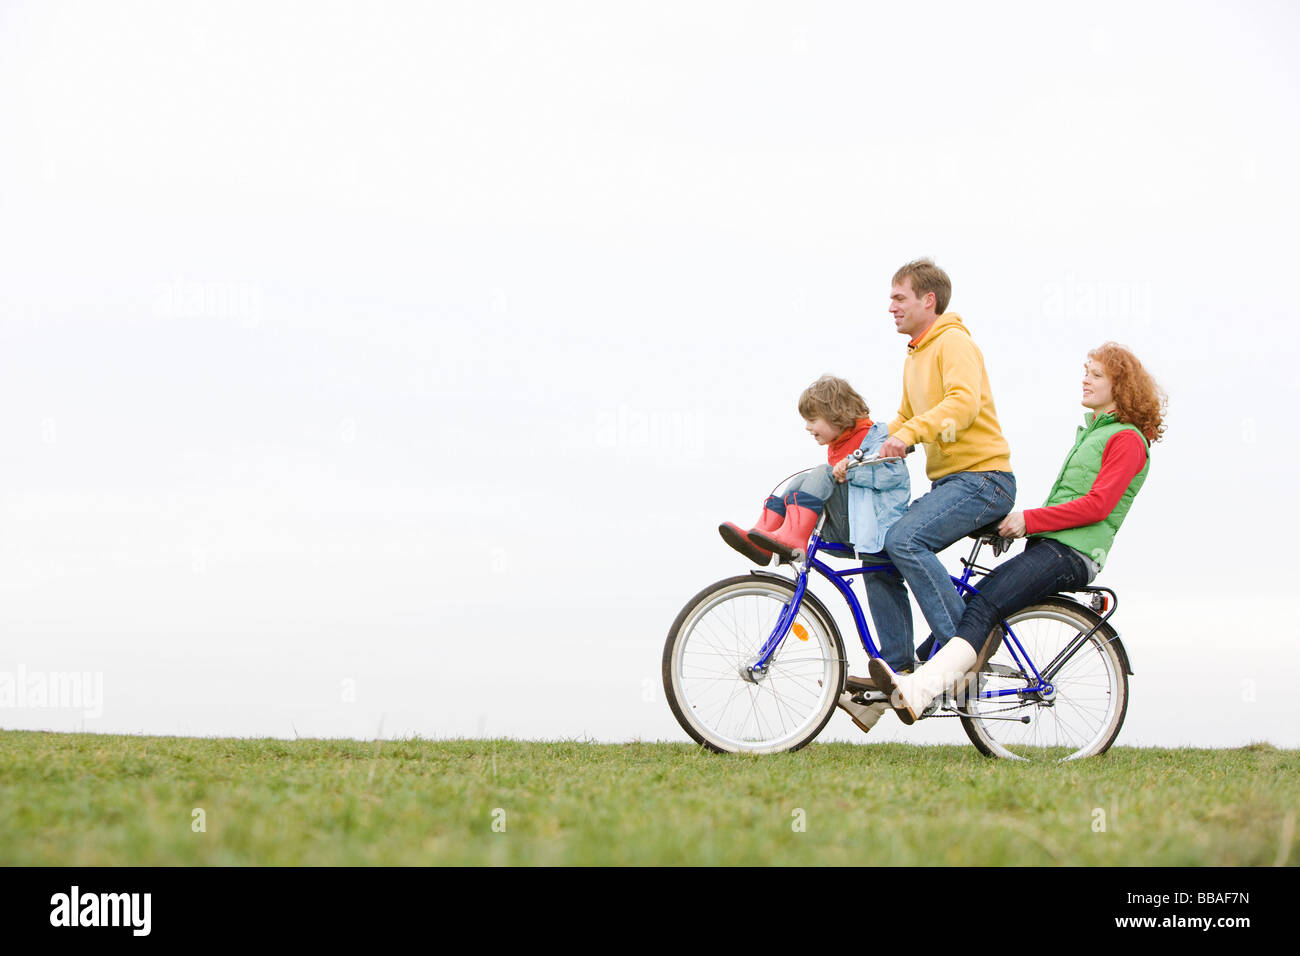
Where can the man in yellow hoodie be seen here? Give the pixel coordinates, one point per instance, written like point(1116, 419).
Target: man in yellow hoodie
point(948, 406)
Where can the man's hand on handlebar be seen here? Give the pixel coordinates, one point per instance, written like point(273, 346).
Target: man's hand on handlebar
point(859, 457)
point(893, 448)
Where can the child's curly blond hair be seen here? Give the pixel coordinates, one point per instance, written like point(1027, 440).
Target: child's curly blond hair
point(834, 400)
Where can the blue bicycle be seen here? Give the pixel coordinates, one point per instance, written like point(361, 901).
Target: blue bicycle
point(755, 664)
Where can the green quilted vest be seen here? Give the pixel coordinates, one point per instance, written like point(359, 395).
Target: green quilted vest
point(1081, 468)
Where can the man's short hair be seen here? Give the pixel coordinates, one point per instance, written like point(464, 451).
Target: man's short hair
point(927, 277)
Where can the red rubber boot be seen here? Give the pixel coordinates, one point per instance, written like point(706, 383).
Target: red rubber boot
point(801, 513)
point(771, 518)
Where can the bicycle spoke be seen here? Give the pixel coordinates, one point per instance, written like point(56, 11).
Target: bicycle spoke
point(779, 707)
point(1082, 713)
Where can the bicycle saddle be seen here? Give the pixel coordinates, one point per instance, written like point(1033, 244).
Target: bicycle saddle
point(990, 530)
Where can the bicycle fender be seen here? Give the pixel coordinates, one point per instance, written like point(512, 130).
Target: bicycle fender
point(1123, 654)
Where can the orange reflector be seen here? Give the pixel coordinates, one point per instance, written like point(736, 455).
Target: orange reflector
point(800, 631)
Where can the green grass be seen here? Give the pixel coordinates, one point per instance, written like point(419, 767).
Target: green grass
point(95, 800)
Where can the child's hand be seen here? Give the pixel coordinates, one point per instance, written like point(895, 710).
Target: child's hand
point(841, 469)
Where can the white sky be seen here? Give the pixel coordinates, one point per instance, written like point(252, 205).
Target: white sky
point(385, 369)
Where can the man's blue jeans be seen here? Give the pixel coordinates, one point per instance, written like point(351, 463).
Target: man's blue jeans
point(954, 507)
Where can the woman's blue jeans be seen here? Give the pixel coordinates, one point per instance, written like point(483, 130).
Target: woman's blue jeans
point(1043, 568)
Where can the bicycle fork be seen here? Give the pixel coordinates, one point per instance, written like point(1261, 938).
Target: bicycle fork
point(756, 671)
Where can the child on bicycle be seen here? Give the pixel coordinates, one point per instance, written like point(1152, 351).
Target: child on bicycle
point(860, 504)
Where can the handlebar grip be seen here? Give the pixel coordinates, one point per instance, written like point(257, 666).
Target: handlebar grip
point(858, 455)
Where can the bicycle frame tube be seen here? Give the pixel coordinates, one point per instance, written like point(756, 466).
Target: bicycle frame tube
point(1039, 683)
point(1044, 679)
point(840, 580)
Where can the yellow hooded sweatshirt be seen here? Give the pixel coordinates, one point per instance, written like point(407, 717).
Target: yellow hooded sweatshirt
point(948, 405)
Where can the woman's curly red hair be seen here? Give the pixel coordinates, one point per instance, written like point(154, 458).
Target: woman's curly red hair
point(1138, 399)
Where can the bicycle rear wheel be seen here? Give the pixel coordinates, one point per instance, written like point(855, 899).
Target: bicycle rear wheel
point(707, 656)
point(1081, 715)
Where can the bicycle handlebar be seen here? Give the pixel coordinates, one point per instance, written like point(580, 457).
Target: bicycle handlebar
point(859, 459)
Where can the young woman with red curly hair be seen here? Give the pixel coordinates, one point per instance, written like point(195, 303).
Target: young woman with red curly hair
point(1069, 537)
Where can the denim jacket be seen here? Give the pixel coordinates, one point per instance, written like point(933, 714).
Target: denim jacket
point(878, 495)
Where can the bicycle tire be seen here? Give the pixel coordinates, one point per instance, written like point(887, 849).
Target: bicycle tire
point(1085, 713)
point(719, 633)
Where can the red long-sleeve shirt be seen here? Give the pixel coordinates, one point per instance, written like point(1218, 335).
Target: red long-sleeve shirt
point(1122, 458)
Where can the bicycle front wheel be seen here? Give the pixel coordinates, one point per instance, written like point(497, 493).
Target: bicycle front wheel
point(1081, 714)
point(713, 693)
